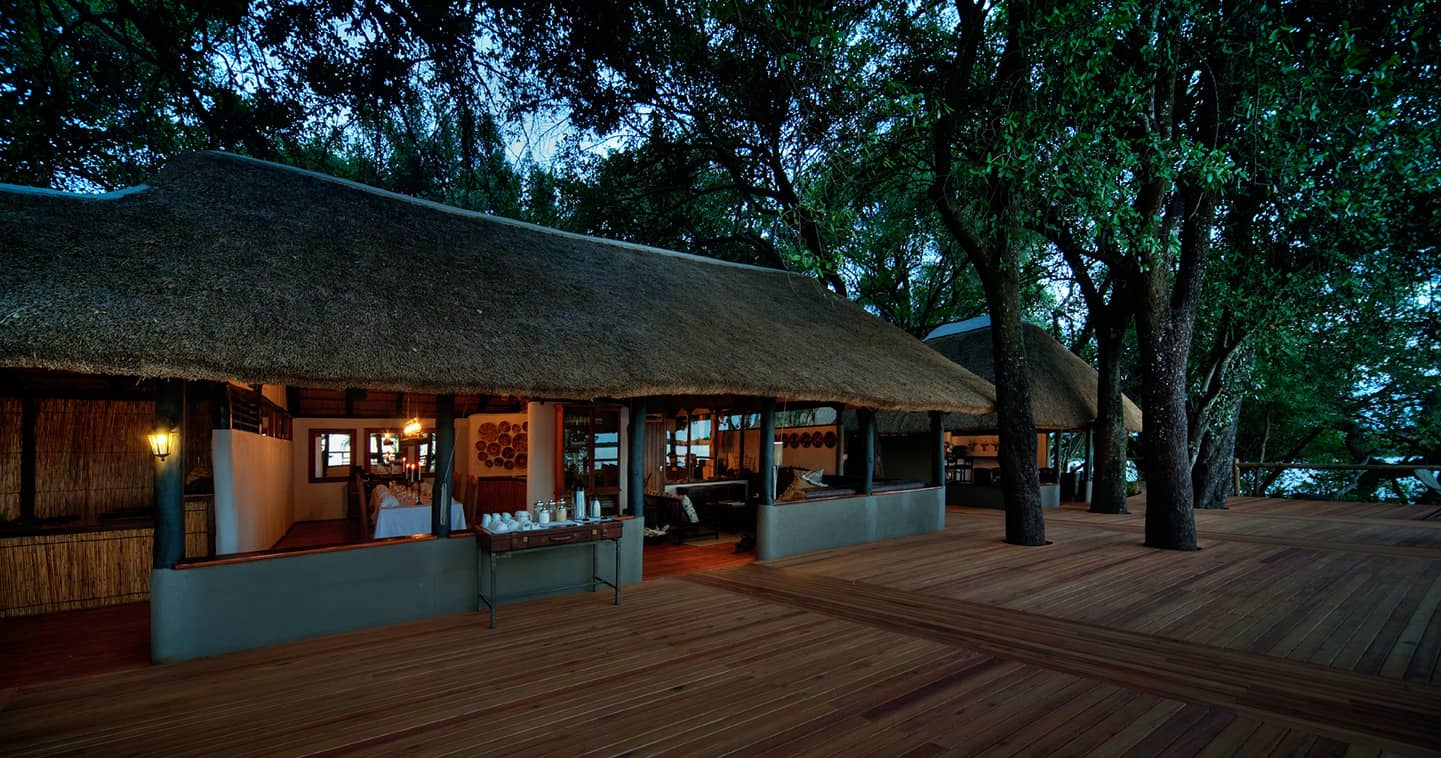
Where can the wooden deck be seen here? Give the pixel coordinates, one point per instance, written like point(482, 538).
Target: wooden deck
point(1297, 629)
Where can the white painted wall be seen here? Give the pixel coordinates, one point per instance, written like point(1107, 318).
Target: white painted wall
point(809, 458)
point(540, 479)
point(253, 490)
point(275, 393)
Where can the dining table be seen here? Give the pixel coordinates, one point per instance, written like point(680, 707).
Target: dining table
point(402, 512)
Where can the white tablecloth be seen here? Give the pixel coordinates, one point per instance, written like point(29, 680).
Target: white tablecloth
point(401, 521)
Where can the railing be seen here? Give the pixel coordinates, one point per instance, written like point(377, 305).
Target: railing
point(1426, 473)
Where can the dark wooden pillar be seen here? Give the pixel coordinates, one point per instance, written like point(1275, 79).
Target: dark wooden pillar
point(170, 477)
point(744, 417)
point(768, 451)
point(444, 465)
point(1056, 454)
point(868, 450)
point(635, 459)
point(938, 449)
point(29, 418)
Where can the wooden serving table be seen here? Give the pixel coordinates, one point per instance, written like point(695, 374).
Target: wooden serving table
point(496, 545)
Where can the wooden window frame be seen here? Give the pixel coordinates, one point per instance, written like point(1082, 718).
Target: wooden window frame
point(592, 409)
point(414, 442)
point(311, 453)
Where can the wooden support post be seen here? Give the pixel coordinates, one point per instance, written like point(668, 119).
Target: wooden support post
point(635, 459)
point(29, 416)
point(938, 450)
point(768, 451)
point(170, 477)
point(444, 465)
point(868, 450)
point(221, 393)
point(745, 415)
point(1056, 454)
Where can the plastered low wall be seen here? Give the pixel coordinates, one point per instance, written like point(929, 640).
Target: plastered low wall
point(224, 607)
point(806, 526)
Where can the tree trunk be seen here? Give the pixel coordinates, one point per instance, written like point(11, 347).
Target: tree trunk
point(1211, 476)
point(1020, 481)
point(1170, 522)
point(1165, 319)
point(1108, 493)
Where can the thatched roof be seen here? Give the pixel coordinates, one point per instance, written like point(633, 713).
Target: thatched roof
point(229, 268)
point(1063, 387)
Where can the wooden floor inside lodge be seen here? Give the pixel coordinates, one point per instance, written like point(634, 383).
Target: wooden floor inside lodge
point(1299, 628)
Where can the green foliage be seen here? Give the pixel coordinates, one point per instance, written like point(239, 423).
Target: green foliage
point(95, 95)
point(1327, 249)
point(755, 100)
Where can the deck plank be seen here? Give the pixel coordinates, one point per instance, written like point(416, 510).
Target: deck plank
point(1301, 628)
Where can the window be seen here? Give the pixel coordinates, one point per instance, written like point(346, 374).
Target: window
point(589, 442)
point(388, 451)
point(689, 455)
point(331, 454)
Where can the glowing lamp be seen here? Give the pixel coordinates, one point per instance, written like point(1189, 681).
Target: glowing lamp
point(412, 427)
point(161, 441)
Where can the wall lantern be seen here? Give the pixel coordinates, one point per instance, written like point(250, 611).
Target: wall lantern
point(161, 440)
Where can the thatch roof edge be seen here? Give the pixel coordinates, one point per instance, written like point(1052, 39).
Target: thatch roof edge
point(304, 285)
point(466, 213)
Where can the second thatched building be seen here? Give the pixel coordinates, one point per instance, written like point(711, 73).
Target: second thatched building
point(1063, 406)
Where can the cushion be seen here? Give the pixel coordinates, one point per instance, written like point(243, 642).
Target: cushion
point(802, 483)
point(689, 509)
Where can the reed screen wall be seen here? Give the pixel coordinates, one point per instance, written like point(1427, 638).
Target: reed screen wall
point(46, 573)
point(92, 458)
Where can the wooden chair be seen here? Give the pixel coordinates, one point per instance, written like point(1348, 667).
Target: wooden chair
point(663, 509)
point(470, 502)
point(360, 500)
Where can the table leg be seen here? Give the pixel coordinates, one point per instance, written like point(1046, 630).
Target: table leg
point(493, 598)
point(617, 570)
